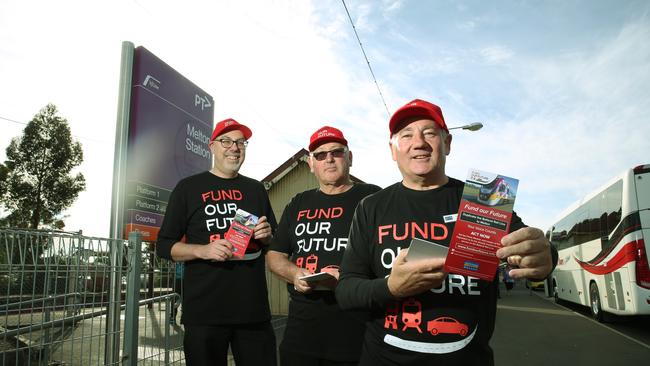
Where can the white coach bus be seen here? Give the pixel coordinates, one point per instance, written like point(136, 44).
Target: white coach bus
point(603, 243)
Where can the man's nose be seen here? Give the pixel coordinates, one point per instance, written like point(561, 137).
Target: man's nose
point(418, 139)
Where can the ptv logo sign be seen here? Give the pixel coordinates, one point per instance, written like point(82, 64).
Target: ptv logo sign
point(151, 82)
point(204, 102)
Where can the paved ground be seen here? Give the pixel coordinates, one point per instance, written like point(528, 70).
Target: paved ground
point(532, 330)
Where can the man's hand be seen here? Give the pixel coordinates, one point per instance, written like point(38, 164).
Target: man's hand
point(301, 285)
point(412, 278)
point(528, 249)
point(333, 270)
point(262, 231)
point(219, 250)
point(332, 282)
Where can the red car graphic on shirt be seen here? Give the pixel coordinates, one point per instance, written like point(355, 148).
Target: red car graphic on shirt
point(412, 314)
point(445, 324)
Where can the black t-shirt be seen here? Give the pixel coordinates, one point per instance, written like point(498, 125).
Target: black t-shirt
point(450, 325)
point(313, 231)
point(201, 208)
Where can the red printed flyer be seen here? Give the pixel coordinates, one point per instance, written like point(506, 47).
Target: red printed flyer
point(483, 219)
point(240, 232)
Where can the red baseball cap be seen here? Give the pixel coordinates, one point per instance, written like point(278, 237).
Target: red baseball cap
point(228, 125)
point(416, 108)
point(326, 134)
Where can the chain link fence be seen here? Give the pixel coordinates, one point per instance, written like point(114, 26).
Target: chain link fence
point(69, 299)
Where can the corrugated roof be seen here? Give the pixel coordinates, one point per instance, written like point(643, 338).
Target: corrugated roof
point(289, 165)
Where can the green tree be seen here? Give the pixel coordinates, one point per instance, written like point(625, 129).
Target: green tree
point(38, 184)
point(3, 178)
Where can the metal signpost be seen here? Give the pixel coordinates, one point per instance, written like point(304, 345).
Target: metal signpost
point(164, 125)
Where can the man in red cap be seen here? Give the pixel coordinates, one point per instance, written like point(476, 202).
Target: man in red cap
point(225, 298)
point(422, 315)
point(311, 237)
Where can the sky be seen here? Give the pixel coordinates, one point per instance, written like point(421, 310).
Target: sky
point(560, 86)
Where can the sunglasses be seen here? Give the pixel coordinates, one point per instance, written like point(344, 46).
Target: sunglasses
point(336, 153)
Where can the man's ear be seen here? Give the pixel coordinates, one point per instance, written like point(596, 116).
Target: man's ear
point(310, 163)
point(448, 144)
point(393, 149)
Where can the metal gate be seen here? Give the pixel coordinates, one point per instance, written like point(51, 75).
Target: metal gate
point(68, 299)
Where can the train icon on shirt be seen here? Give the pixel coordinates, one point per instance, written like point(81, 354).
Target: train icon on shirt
point(411, 317)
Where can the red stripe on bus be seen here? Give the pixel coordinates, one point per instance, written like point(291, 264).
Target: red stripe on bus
point(624, 256)
point(626, 231)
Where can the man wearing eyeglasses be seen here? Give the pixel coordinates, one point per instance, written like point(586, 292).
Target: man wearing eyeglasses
point(420, 314)
point(225, 298)
point(311, 238)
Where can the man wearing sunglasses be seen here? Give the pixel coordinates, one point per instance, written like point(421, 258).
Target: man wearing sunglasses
point(311, 238)
point(225, 298)
point(420, 314)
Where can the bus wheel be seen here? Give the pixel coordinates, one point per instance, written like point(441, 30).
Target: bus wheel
point(594, 296)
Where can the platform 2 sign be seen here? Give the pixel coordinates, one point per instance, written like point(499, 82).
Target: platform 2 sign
point(169, 130)
point(484, 218)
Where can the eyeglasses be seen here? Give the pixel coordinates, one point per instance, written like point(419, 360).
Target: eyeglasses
point(336, 153)
point(227, 143)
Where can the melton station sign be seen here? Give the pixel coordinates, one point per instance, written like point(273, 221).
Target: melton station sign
point(170, 123)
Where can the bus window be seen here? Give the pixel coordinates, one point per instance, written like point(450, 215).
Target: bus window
point(603, 255)
point(613, 205)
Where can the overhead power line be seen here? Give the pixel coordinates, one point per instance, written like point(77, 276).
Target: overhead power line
point(11, 120)
point(366, 57)
point(75, 136)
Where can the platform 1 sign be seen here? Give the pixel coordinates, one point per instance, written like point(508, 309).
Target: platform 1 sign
point(169, 129)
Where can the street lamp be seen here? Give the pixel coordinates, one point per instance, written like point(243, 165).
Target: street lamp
point(475, 126)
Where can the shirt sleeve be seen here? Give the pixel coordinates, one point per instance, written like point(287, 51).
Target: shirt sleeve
point(517, 224)
point(359, 287)
point(174, 224)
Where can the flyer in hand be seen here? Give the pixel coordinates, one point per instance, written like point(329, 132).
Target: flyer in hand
point(422, 249)
point(317, 277)
point(240, 232)
point(483, 219)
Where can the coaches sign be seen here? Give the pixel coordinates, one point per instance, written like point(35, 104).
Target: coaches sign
point(169, 129)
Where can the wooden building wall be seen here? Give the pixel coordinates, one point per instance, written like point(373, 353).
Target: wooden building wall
point(299, 179)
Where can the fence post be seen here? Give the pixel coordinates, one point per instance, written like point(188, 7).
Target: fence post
point(169, 304)
point(130, 349)
point(112, 341)
point(150, 272)
point(74, 284)
point(47, 340)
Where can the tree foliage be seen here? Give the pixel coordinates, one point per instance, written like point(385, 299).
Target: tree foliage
point(37, 184)
point(3, 178)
